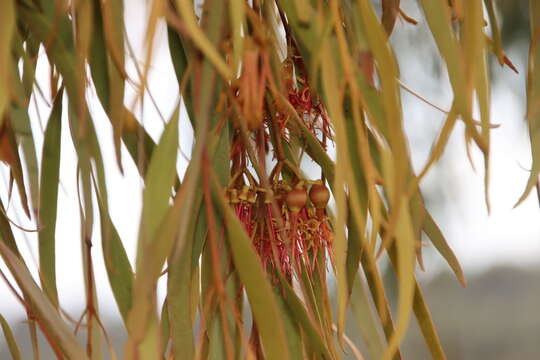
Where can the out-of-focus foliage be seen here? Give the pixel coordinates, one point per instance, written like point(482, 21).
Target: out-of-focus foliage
point(265, 83)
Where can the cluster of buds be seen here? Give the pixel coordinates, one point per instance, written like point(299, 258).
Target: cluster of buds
point(287, 220)
point(288, 225)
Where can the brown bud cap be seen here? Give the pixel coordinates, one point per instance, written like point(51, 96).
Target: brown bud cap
point(252, 197)
point(296, 199)
point(233, 196)
point(243, 193)
point(319, 195)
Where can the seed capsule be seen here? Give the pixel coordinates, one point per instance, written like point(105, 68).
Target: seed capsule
point(296, 199)
point(319, 195)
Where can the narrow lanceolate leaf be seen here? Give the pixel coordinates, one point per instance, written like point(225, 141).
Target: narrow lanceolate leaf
point(390, 13)
point(155, 239)
point(159, 180)
point(138, 142)
point(495, 30)
point(113, 29)
point(343, 175)
point(201, 41)
point(427, 326)
point(9, 153)
point(438, 17)
point(7, 27)
point(13, 347)
point(59, 48)
point(179, 292)
point(98, 59)
point(533, 98)
point(59, 333)
point(117, 263)
point(109, 84)
point(50, 168)
point(178, 58)
point(437, 238)
point(6, 234)
point(265, 309)
point(23, 131)
point(475, 51)
point(405, 273)
point(237, 21)
point(311, 332)
point(366, 321)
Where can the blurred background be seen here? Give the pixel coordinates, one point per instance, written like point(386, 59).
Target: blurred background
point(495, 317)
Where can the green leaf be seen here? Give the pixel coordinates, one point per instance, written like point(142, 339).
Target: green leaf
point(533, 94)
point(156, 235)
point(437, 238)
point(10, 339)
point(10, 146)
point(438, 17)
point(117, 263)
point(159, 181)
point(50, 168)
point(405, 246)
point(179, 292)
point(42, 308)
point(334, 99)
point(390, 13)
point(7, 27)
point(369, 327)
point(98, 60)
point(495, 30)
point(113, 29)
point(138, 142)
point(23, 130)
point(427, 327)
point(378, 295)
point(180, 64)
point(309, 328)
point(201, 40)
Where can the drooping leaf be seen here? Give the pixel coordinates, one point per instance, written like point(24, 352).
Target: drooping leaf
point(440, 243)
point(49, 181)
point(306, 323)
point(390, 13)
point(365, 320)
point(201, 41)
point(23, 131)
point(155, 224)
point(13, 347)
point(117, 264)
point(7, 27)
point(44, 311)
point(405, 272)
point(159, 180)
point(533, 94)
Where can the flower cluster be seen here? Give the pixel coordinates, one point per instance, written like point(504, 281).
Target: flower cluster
point(311, 112)
point(288, 225)
point(284, 214)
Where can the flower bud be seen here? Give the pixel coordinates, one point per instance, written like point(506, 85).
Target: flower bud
point(319, 195)
point(296, 199)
